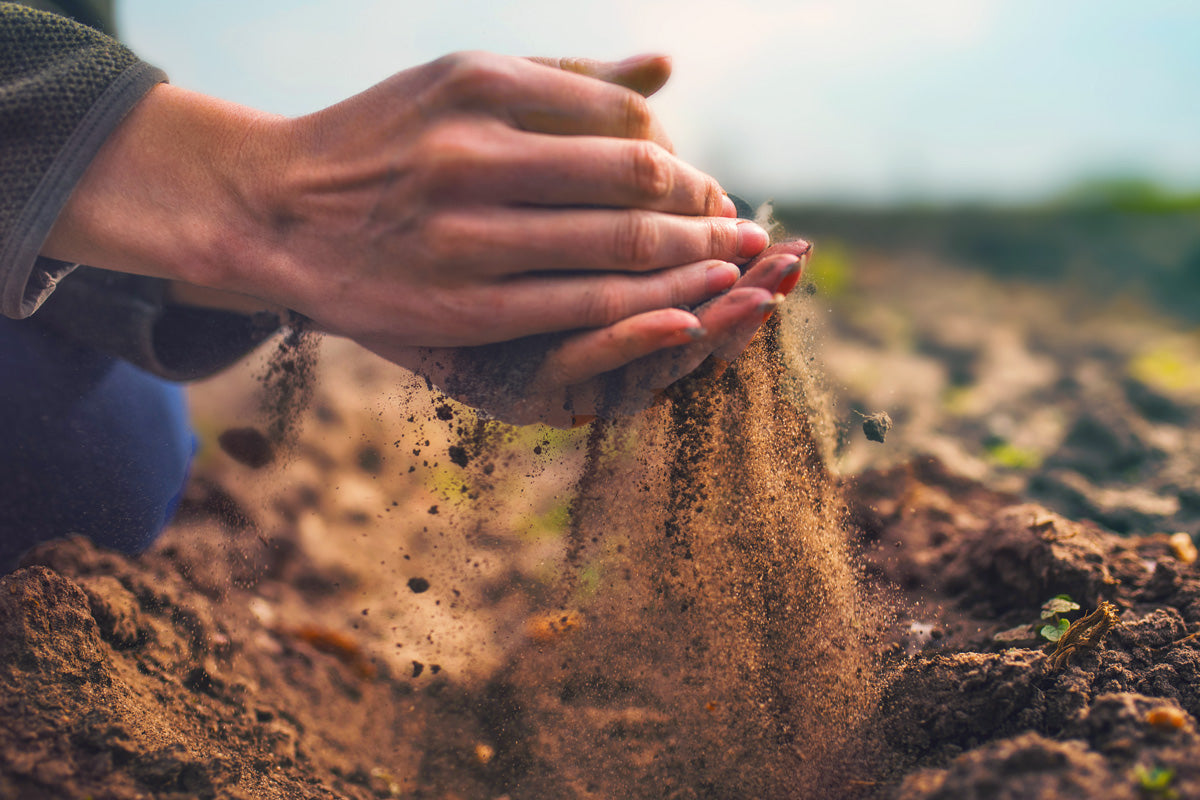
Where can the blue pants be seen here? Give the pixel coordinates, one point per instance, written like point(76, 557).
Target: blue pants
point(89, 444)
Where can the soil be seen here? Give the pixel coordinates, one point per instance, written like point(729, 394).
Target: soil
point(735, 595)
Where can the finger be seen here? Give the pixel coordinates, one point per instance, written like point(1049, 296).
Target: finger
point(512, 241)
point(740, 332)
point(635, 388)
point(722, 318)
point(644, 74)
point(543, 304)
point(545, 170)
point(795, 247)
point(535, 97)
point(772, 273)
point(585, 355)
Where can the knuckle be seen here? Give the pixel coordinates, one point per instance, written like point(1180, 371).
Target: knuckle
point(446, 154)
point(714, 198)
point(722, 238)
point(651, 169)
point(568, 64)
point(636, 113)
point(473, 78)
point(636, 241)
point(678, 287)
point(440, 237)
point(605, 305)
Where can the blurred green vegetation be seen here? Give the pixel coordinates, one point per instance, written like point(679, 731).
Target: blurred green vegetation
point(1112, 237)
point(830, 268)
point(1169, 367)
point(1003, 453)
point(1131, 194)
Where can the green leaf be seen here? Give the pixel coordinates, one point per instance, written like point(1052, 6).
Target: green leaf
point(1156, 779)
point(1051, 632)
point(1058, 605)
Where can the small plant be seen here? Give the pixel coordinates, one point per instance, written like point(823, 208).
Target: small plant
point(1055, 624)
point(1155, 782)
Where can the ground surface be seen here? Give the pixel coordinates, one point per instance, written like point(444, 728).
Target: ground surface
point(368, 617)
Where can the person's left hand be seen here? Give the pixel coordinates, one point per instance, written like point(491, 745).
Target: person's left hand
point(566, 380)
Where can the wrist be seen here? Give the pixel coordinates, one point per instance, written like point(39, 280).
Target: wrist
point(176, 192)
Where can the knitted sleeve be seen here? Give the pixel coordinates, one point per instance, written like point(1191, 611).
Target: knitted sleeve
point(64, 87)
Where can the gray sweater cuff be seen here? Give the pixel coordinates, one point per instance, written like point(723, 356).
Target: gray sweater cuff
point(28, 278)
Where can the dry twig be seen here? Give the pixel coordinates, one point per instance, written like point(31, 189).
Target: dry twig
point(1085, 634)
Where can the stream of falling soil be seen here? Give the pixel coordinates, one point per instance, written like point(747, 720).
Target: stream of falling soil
point(727, 603)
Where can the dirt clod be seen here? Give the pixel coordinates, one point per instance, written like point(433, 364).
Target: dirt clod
point(876, 426)
point(248, 446)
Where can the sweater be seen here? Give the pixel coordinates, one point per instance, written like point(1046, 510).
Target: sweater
point(65, 86)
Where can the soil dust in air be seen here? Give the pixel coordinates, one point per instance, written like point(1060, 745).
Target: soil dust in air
point(727, 650)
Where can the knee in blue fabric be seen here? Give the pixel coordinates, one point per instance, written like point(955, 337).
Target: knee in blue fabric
point(92, 445)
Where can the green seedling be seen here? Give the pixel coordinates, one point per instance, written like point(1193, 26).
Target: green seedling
point(1053, 611)
point(1156, 782)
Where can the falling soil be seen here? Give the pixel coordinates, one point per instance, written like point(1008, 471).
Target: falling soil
point(730, 606)
point(288, 382)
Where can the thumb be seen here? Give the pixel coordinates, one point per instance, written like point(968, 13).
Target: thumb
point(644, 74)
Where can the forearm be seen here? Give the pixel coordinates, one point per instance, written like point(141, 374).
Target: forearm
point(171, 193)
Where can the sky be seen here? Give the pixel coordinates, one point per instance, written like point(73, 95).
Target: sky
point(812, 100)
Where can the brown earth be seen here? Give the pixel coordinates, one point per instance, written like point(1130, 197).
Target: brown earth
point(377, 615)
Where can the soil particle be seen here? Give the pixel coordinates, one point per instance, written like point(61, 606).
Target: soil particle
point(418, 585)
point(943, 701)
point(458, 455)
point(248, 446)
point(876, 426)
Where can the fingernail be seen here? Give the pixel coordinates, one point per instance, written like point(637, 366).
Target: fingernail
point(728, 209)
point(767, 307)
point(685, 336)
point(720, 277)
point(752, 239)
point(791, 276)
point(579, 420)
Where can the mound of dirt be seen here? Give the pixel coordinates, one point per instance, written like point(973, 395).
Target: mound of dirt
point(998, 720)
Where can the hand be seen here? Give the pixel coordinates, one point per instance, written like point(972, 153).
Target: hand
point(475, 199)
point(615, 371)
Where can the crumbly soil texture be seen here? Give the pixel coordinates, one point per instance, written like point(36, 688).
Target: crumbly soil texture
point(725, 605)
